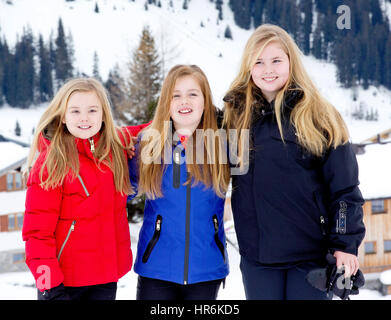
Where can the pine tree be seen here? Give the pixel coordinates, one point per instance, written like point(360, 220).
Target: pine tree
point(96, 10)
point(219, 7)
point(307, 25)
point(115, 86)
point(2, 58)
point(95, 68)
point(228, 33)
point(387, 60)
point(25, 72)
point(185, 5)
point(45, 73)
point(17, 130)
point(242, 12)
point(63, 63)
point(145, 77)
point(9, 77)
point(257, 13)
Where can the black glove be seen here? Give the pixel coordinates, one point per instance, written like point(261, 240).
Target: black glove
point(332, 280)
point(55, 293)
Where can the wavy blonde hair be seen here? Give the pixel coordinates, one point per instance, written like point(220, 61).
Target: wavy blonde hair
point(62, 155)
point(215, 174)
point(318, 124)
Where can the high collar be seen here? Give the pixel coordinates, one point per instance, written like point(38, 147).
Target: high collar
point(260, 105)
point(88, 146)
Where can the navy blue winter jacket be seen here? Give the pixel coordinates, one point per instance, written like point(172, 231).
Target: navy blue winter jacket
point(182, 238)
point(292, 206)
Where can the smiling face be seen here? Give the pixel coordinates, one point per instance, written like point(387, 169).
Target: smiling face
point(83, 116)
point(187, 105)
point(271, 70)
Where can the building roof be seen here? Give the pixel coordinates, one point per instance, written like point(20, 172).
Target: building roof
point(12, 202)
point(375, 171)
point(12, 156)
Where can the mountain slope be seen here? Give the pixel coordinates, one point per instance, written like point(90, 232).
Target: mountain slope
point(114, 32)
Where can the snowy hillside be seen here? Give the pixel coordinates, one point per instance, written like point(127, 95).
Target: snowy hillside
point(114, 32)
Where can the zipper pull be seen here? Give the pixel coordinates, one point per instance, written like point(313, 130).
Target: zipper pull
point(91, 140)
point(73, 225)
point(216, 224)
point(158, 222)
point(177, 157)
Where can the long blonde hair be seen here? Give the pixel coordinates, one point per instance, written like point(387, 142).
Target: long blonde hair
point(318, 124)
point(62, 156)
point(215, 175)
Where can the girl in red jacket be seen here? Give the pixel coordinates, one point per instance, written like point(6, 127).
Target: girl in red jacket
point(75, 225)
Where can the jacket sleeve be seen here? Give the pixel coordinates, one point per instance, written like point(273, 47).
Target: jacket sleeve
point(39, 225)
point(134, 130)
point(346, 227)
point(133, 171)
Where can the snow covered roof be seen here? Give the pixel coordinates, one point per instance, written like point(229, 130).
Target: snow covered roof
point(10, 154)
point(375, 172)
point(12, 202)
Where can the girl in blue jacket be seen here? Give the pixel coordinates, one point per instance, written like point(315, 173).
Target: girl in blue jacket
point(181, 167)
point(297, 197)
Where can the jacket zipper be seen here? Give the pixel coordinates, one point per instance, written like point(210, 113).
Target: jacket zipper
point(322, 225)
point(187, 233)
point(71, 229)
point(216, 237)
point(176, 169)
point(92, 145)
point(155, 238)
point(83, 185)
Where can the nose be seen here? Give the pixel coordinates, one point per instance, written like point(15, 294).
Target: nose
point(268, 68)
point(84, 117)
point(183, 101)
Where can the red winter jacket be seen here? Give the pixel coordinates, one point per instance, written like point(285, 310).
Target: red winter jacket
point(77, 234)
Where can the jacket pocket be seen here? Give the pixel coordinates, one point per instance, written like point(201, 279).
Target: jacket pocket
point(71, 229)
point(216, 236)
point(322, 213)
point(154, 240)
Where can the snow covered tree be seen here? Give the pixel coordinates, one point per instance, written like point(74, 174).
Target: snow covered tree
point(95, 68)
point(145, 77)
point(115, 86)
point(45, 72)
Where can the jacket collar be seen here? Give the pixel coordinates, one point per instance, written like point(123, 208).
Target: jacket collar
point(84, 146)
point(260, 105)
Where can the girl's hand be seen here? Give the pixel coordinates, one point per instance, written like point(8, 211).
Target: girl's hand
point(349, 261)
point(131, 151)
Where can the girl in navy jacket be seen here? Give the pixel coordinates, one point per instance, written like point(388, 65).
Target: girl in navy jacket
point(297, 196)
point(181, 251)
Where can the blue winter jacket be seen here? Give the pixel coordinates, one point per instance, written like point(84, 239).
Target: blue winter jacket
point(182, 238)
point(293, 206)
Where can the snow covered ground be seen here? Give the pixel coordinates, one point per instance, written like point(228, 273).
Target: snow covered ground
point(21, 285)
